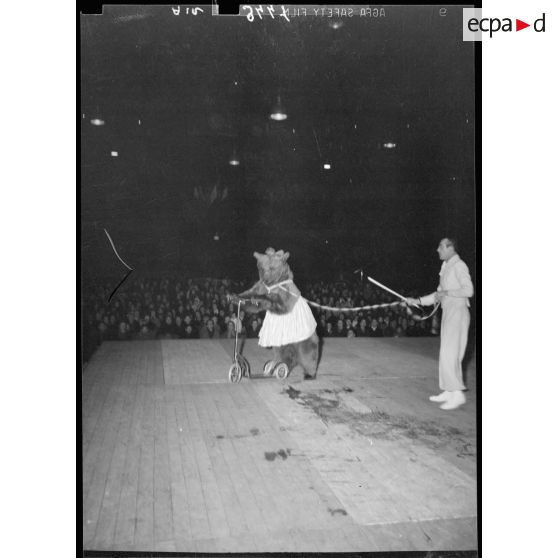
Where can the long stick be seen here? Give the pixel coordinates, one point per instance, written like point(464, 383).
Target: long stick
point(113, 247)
point(385, 288)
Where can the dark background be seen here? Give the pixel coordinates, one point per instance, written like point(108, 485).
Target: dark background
point(406, 78)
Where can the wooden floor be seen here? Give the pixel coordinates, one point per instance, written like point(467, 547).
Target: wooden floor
point(175, 458)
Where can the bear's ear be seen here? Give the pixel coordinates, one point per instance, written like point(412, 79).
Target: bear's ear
point(258, 256)
point(270, 251)
point(286, 256)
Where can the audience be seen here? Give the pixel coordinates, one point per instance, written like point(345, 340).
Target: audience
point(174, 308)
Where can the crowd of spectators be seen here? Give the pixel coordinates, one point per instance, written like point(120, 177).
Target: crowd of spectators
point(174, 308)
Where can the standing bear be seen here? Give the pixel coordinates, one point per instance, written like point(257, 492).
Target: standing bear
point(289, 326)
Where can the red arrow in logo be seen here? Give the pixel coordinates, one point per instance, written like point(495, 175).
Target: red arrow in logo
point(519, 25)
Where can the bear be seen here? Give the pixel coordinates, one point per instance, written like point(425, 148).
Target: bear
point(289, 326)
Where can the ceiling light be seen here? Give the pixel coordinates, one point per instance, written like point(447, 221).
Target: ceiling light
point(390, 145)
point(327, 166)
point(234, 159)
point(114, 153)
point(278, 112)
point(335, 24)
point(97, 122)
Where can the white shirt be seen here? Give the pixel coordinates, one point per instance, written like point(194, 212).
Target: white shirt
point(455, 280)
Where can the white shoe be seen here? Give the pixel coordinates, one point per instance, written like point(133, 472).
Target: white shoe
point(444, 396)
point(456, 399)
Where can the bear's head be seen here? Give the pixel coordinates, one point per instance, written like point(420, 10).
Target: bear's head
point(273, 267)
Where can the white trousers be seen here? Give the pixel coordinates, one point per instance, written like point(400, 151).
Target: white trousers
point(453, 342)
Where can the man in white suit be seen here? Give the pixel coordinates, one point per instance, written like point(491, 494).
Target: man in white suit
point(453, 292)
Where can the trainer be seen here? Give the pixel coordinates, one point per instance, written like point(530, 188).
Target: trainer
point(453, 292)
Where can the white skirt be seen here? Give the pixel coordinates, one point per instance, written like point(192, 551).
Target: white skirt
point(281, 329)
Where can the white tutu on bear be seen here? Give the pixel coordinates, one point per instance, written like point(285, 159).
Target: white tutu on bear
point(281, 329)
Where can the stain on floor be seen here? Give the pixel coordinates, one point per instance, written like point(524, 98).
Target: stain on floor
point(380, 425)
point(273, 455)
point(340, 511)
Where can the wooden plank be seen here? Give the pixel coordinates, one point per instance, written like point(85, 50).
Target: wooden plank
point(196, 361)
point(212, 497)
point(242, 474)
point(293, 497)
point(222, 465)
point(144, 531)
point(106, 525)
point(310, 499)
point(198, 517)
point(126, 520)
point(97, 394)
point(450, 533)
point(182, 533)
point(162, 509)
point(96, 464)
point(266, 485)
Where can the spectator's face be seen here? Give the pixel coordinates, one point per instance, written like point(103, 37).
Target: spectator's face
point(168, 320)
point(363, 323)
point(329, 326)
point(122, 327)
point(374, 323)
point(254, 324)
point(178, 321)
point(188, 329)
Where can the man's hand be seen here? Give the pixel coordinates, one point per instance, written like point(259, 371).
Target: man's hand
point(233, 298)
point(412, 301)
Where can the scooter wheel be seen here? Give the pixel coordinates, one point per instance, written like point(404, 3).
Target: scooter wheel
point(282, 371)
point(268, 368)
point(235, 373)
